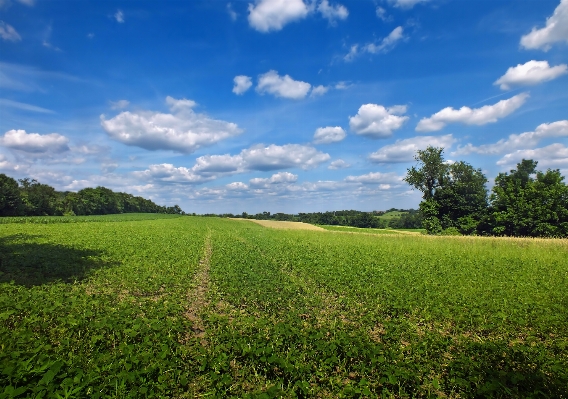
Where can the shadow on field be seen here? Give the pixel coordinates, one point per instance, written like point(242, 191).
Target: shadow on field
point(29, 263)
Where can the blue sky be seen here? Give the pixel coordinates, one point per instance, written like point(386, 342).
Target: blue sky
point(277, 105)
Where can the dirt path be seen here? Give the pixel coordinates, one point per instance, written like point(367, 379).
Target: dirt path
point(285, 225)
point(197, 298)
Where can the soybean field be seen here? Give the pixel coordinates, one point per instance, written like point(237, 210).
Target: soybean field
point(186, 307)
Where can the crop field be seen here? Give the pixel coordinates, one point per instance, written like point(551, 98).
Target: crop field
point(203, 307)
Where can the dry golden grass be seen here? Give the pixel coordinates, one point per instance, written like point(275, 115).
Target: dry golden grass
point(285, 225)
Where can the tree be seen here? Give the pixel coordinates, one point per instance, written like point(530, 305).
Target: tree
point(522, 205)
point(38, 199)
point(10, 200)
point(454, 195)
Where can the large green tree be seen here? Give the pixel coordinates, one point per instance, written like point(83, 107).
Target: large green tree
point(454, 194)
point(10, 200)
point(527, 202)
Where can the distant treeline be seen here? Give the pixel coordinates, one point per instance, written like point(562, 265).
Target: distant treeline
point(409, 219)
point(28, 197)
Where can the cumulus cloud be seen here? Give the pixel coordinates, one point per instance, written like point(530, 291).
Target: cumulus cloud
point(530, 73)
point(272, 15)
point(406, 4)
point(182, 130)
point(120, 104)
point(8, 33)
point(34, 142)
point(338, 164)
point(332, 13)
point(405, 150)
point(119, 16)
point(319, 90)
point(237, 186)
point(256, 158)
point(518, 141)
point(376, 121)
point(242, 84)
point(278, 178)
point(282, 86)
point(375, 178)
point(469, 116)
point(554, 156)
point(329, 134)
point(556, 30)
point(382, 47)
point(168, 173)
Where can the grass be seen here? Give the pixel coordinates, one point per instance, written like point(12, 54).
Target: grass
point(188, 307)
point(82, 219)
point(349, 229)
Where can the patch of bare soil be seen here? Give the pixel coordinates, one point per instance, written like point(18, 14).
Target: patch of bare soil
point(285, 225)
point(197, 298)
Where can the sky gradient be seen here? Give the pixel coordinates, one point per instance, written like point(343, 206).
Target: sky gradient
point(277, 105)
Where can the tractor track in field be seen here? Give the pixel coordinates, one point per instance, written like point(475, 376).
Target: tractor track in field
point(197, 297)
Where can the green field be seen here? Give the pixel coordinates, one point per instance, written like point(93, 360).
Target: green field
point(189, 307)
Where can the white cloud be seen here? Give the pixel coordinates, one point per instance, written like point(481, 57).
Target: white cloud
point(376, 121)
point(332, 13)
point(530, 73)
point(34, 142)
point(170, 174)
point(279, 157)
point(8, 33)
point(382, 14)
point(8, 166)
point(29, 3)
point(338, 164)
point(23, 106)
point(405, 150)
point(237, 186)
point(518, 141)
point(242, 84)
point(232, 13)
point(353, 52)
point(556, 30)
point(329, 134)
point(119, 16)
point(469, 116)
point(182, 130)
point(406, 4)
point(375, 178)
point(282, 86)
point(387, 43)
point(384, 46)
point(319, 90)
point(554, 156)
point(278, 178)
point(120, 104)
point(342, 85)
point(256, 158)
point(272, 15)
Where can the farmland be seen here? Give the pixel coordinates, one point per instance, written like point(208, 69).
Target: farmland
point(188, 306)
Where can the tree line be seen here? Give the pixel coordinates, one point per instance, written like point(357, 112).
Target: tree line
point(28, 197)
point(410, 219)
point(523, 202)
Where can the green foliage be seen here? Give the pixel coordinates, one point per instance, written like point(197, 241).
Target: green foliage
point(32, 198)
point(522, 205)
point(10, 200)
point(101, 310)
point(454, 195)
